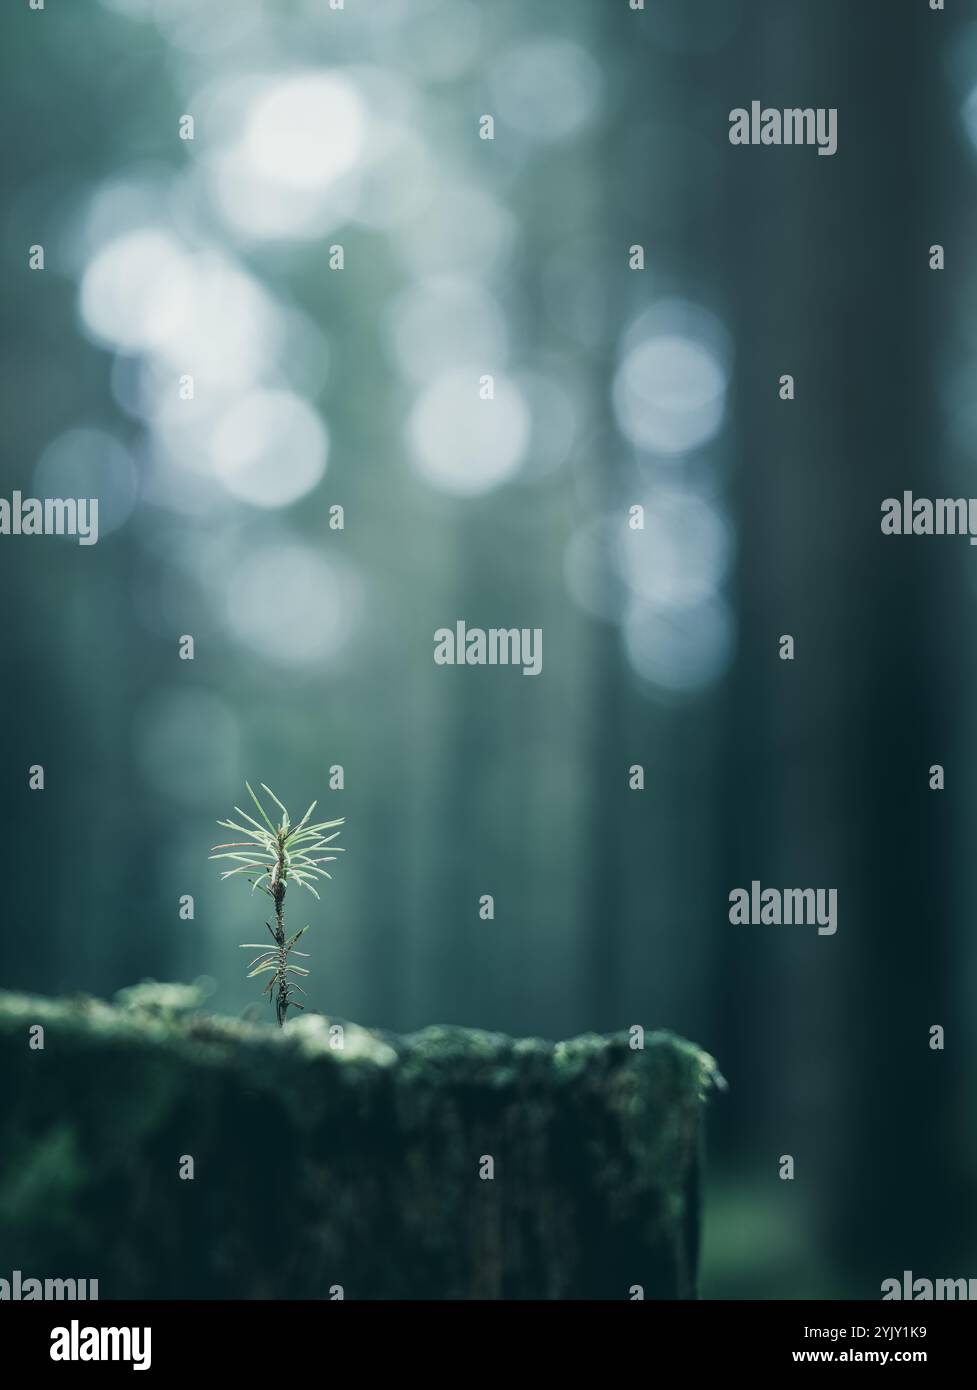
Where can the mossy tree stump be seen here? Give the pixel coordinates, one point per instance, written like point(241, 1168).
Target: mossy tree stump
point(362, 1168)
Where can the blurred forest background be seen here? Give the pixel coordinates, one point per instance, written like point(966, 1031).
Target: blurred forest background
point(315, 387)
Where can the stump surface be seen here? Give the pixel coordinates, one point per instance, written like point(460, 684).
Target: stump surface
point(316, 1168)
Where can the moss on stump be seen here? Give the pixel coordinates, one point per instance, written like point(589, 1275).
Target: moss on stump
point(316, 1167)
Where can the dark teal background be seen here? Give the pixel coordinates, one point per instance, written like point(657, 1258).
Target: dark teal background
point(610, 905)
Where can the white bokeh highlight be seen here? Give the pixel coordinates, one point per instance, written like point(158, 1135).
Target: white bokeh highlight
point(464, 445)
point(88, 462)
point(303, 132)
point(293, 605)
point(546, 88)
point(670, 394)
point(269, 448)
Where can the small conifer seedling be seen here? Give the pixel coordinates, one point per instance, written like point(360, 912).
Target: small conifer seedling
point(271, 857)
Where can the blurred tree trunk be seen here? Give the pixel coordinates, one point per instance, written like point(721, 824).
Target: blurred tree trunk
point(834, 286)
